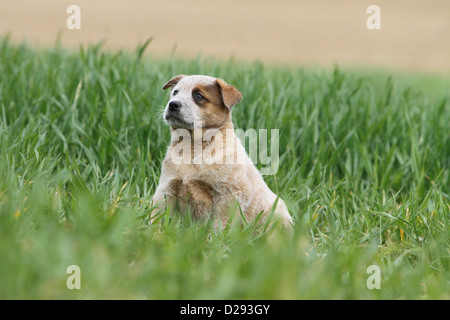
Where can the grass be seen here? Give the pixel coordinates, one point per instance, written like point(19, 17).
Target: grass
point(364, 170)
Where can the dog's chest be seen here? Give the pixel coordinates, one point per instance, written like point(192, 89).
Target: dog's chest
point(197, 194)
point(202, 188)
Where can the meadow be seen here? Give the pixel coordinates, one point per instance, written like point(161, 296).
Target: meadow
point(364, 171)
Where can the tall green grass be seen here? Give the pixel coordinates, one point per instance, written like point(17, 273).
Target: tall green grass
point(364, 170)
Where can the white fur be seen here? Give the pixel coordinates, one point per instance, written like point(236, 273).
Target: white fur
point(231, 181)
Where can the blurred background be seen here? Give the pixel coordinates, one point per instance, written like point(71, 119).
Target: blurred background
point(414, 34)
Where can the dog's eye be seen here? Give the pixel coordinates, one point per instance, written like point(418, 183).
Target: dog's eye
point(198, 96)
point(175, 92)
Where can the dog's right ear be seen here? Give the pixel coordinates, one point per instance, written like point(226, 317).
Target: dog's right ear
point(173, 81)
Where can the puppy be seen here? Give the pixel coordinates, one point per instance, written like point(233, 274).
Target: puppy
point(206, 169)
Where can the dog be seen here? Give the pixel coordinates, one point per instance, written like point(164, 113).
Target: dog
point(201, 106)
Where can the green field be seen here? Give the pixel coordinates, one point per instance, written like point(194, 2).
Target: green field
point(364, 170)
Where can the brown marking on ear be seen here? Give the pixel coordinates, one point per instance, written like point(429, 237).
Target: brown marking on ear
point(230, 95)
point(172, 82)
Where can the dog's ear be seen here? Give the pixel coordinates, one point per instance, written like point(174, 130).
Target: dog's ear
point(230, 95)
point(173, 81)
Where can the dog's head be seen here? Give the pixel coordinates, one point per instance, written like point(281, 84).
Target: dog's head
point(199, 99)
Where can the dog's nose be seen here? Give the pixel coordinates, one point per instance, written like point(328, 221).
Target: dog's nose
point(174, 105)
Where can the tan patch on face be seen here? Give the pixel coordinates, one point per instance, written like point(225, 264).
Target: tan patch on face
point(213, 110)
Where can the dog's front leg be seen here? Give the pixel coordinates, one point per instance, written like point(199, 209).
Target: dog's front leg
point(162, 198)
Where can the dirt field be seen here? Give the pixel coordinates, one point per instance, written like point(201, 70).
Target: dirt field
point(414, 35)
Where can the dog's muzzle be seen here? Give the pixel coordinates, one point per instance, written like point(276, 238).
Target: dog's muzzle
point(173, 116)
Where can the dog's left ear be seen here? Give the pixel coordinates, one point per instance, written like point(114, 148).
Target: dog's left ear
point(230, 95)
point(172, 82)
